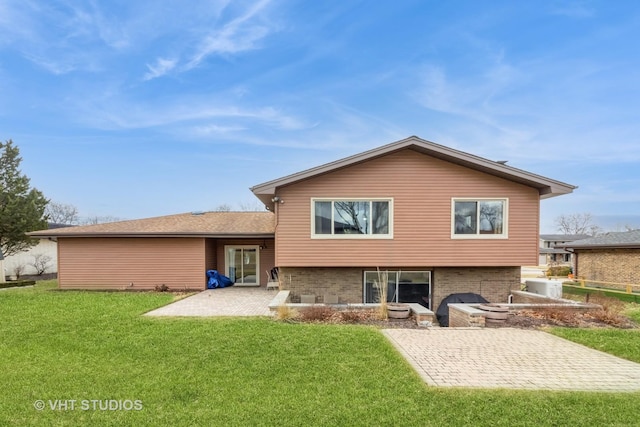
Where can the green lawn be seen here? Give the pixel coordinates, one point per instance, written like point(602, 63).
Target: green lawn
point(624, 343)
point(237, 372)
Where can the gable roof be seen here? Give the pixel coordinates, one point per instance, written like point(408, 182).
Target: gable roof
point(546, 187)
point(196, 224)
point(626, 239)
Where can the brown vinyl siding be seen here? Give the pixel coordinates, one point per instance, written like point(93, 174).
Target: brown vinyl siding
point(422, 188)
point(211, 255)
point(115, 263)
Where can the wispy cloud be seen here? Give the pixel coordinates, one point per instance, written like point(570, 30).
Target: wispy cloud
point(161, 67)
point(238, 35)
point(58, 36)
point(193, 115)
point(573, 9)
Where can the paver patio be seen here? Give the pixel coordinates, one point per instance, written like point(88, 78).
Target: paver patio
point(232, 301)
point(511, 358)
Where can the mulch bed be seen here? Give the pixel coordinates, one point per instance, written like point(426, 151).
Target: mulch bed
point(524, 319)
point(535, 319)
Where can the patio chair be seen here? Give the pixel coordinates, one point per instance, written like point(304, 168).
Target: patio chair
point(272, 279)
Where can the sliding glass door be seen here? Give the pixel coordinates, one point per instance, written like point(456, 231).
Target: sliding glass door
point(241, 265)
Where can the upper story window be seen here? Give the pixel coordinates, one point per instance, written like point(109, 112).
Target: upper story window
point(479, 218)
point(352, 218)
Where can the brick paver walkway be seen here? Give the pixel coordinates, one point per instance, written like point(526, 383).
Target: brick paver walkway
point(232, 301)
point(511, 358)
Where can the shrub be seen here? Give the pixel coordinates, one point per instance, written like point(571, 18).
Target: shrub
point(316, 313)
point(161, 288)
point(354, 316)
point(17, 283)
point(285, 312)
point(559, 271)
point(611, 311)
point(561, 315)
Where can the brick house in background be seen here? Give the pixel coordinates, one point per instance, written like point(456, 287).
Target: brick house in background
point(438, 220)
point(611, 257)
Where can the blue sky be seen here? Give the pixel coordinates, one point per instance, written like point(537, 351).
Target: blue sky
point(143, 108)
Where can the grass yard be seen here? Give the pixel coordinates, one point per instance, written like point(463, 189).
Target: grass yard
point(623, 343)
point(88, 346)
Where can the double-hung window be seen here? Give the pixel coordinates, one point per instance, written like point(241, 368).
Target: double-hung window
point(479, 218)
point(352, 218)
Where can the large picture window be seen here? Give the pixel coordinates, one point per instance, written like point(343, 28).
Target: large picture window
point(351, 218)
point(482, 218)
point(400, 286)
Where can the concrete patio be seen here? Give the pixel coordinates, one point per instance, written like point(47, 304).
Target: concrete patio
point(232, 301)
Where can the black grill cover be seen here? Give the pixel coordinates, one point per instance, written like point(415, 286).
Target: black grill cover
point(442, 314)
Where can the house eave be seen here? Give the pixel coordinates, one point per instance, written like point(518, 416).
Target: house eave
point(546, 187)
point(622, 246)
point(156, 234)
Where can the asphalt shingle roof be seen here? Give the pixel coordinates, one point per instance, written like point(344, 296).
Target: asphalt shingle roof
point(627, 239)
point(563, 237)
point(187, 224)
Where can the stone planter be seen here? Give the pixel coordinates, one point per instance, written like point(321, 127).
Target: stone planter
point(398, 311)
point(495, 315)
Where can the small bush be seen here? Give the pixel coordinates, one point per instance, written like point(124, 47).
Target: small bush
point(161, 288)
point(286, 313)
point(559, 271)
point(562, 315)
point(611, 312)
point(354, 316)
point(316, 313)
point(17, 283)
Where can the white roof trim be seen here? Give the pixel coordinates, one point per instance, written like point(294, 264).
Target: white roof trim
point(546, 186)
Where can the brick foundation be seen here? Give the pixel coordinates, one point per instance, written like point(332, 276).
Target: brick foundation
point(346, 283)
point(493, 283)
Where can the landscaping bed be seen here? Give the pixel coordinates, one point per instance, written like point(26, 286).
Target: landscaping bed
point(611, 315)
point(329, 315)
point(539, 318)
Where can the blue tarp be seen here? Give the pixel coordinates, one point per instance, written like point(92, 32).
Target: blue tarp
point(217, 280)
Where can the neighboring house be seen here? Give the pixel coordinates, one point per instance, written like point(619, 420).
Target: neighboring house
point(437, 220)
point(44, 254)
point(611, 257)
point(552, 249)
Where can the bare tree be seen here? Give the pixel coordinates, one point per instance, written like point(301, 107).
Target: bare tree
point(350, 212)
point(60, 213)
point(251, 206)
point(223, 208)
point(96, 219)
point(41, 263)
point(18, 269)
point(577, 223)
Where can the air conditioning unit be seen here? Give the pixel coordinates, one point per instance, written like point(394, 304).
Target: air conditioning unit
point(548, 288)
